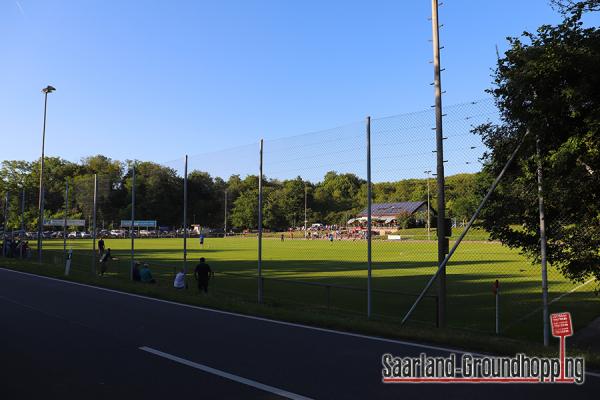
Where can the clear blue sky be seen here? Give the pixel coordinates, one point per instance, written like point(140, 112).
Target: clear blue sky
point(154, 80)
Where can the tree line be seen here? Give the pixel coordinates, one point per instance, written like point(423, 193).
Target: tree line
point(159, 195)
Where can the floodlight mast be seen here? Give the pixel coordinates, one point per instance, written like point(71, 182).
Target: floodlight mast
point(46, 90)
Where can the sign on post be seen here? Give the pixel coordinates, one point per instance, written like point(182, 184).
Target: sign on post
point(562, 326)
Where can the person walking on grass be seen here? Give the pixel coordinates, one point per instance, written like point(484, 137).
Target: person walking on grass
point(203, 273)
point(106, 257)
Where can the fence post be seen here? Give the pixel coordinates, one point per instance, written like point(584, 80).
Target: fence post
point(132, 222)
point(260, 201)
point(4, 250)
point(185, 231)
point(225, 221)
point(497, 292)
point(94, 222)
point(23, 211)
point(65, 218)
point(542, 243)
point(305, 207)
point(369, 196)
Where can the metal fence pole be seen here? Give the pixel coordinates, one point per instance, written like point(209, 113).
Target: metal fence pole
point(132, 222)
point(260, 216)
point(369, 200)
point(65, 219)
point(305, 208)
point(23, 211)
point(4, 250)
point(94, 223)
point(225, 222)
point(543, 253)
point(497, 311)
point(185, 229)
point(441, 201)
point(428, 207)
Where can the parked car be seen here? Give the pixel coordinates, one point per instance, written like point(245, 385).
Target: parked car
point(117, 233)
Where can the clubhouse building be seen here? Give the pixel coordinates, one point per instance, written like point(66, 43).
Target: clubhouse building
point(388, 217)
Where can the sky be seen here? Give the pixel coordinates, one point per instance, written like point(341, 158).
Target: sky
point(158, 79)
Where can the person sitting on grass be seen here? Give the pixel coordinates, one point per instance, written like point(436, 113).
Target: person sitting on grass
point(179, 282)
point(146, 275)
point(135, 274)
point(106, 257)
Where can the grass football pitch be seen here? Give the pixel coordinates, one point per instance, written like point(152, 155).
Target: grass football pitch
point(333, 276)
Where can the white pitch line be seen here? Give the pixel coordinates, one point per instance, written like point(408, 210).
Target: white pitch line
point(554, 300)
point(226, 375)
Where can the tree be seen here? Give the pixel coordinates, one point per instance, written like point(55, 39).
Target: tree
point(158, 194)
point(547, 84)
point(245, 210)
point(462, 195)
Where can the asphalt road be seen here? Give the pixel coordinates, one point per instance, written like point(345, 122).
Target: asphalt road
point(71, 341)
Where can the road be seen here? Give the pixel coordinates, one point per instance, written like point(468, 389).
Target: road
point(72, 341)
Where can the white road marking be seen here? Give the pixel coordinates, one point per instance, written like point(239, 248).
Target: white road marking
point(226, 375)
point(296, 325)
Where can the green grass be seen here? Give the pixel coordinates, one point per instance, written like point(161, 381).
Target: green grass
point(400, 271)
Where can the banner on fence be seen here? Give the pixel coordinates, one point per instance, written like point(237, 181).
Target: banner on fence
point(138, 224)
point(61, 222)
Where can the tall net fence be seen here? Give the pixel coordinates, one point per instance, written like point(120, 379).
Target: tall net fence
point(314, 248)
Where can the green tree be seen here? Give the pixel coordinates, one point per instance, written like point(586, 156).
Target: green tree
point(245, 210)
point(547, 83)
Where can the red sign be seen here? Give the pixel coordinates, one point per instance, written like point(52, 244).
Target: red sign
point(561, 324)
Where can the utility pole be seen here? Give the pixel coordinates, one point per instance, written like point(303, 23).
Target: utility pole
point(543, 252)
point(441, 200)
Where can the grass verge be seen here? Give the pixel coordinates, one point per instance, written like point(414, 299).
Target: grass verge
point(313, 316)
